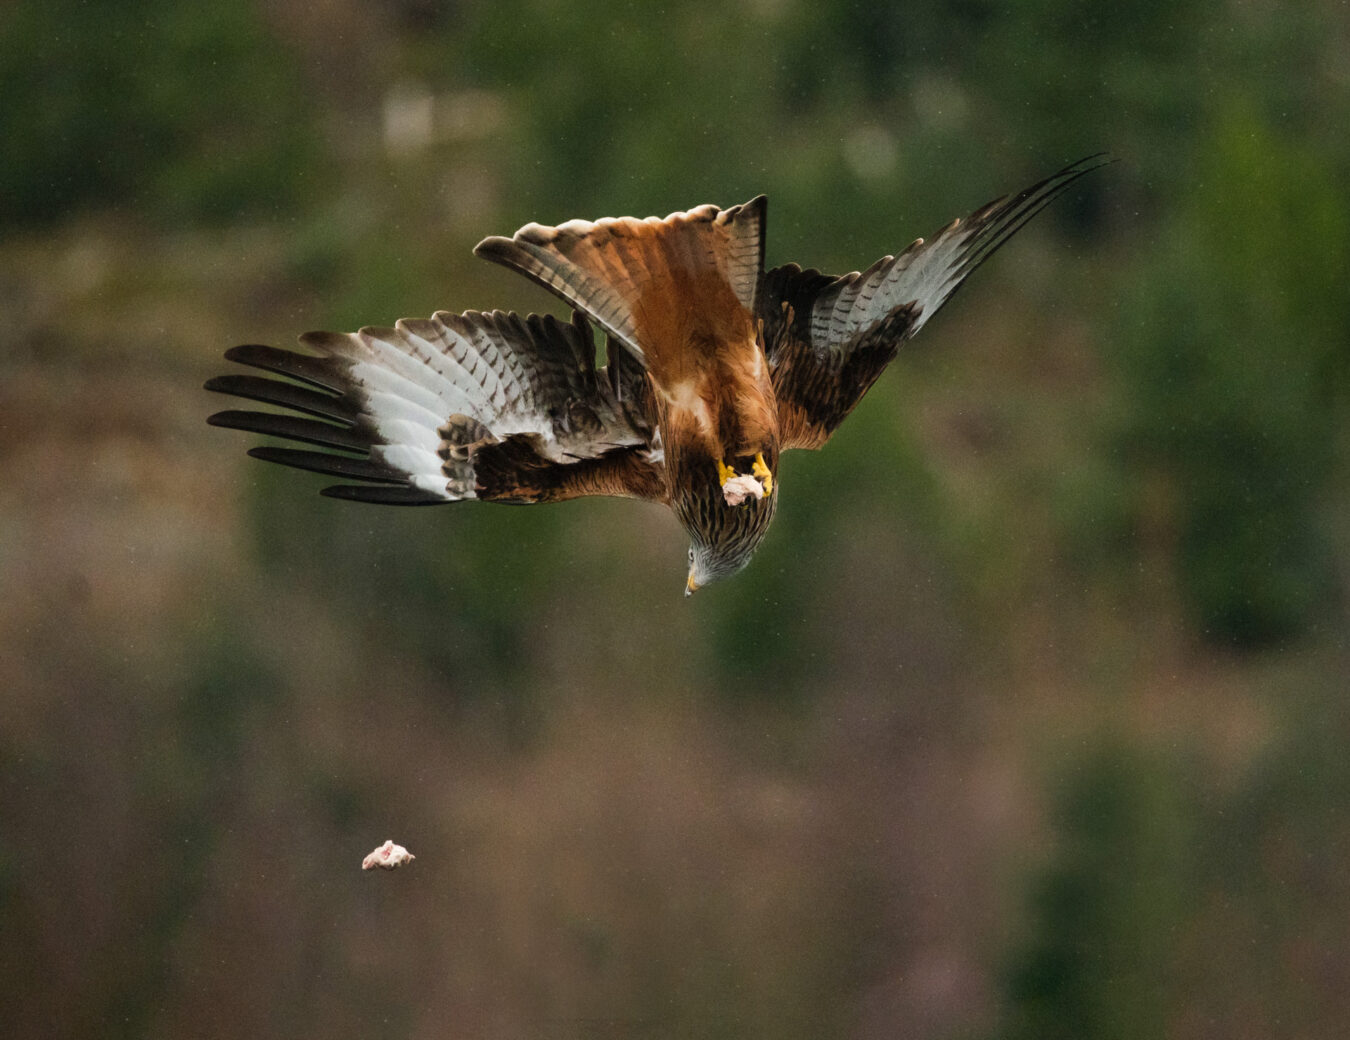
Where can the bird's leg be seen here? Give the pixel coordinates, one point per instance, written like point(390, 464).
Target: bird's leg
point(761, 470)
point(738, 488)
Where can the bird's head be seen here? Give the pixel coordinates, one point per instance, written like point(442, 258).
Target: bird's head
point(709, 563)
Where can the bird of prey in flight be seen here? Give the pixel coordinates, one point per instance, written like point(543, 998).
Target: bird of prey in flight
point(715, 368)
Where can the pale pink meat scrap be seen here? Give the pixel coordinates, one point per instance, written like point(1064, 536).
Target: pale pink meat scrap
point(387, 857)
point(740, 487)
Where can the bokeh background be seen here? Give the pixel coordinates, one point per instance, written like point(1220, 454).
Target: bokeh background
point(1028, 721)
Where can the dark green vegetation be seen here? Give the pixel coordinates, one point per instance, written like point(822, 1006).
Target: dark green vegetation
point(1027, 721)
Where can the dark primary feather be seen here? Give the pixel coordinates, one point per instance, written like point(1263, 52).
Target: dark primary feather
point(287, 395)
point(317, 371)
point(828, 339)
point(328, 464)
point(292, 427)
point(383, 496)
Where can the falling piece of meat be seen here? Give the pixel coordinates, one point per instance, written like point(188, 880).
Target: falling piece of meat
point(387, 857)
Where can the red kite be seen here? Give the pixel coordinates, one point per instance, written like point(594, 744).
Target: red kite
point(715, 368)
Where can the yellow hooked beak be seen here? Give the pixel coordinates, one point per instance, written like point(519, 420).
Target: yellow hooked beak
point(690, 585)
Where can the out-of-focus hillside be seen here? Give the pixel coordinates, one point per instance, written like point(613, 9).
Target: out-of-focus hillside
point(1028, 719)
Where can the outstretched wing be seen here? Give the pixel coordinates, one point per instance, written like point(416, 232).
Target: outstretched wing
point(488, 406)
point(828, 339)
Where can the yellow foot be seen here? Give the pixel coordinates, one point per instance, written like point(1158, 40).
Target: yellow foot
point(759, 469)
point(724, 473)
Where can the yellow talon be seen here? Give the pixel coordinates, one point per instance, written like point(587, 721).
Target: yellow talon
point(724, 473)
point(761, 470)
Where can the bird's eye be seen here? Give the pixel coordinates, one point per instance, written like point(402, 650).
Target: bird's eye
point(691, 556)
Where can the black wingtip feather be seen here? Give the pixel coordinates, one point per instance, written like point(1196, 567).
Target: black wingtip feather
point(407, 495)
point(286, 395)
point(309, 431)
point(494, 248)
point(330, 465)
point(1007, 216)
point(323, 372)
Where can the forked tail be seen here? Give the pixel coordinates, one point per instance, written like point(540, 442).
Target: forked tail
point(643, 281)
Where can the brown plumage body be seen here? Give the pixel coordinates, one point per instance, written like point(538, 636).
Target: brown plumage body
point(714, 399)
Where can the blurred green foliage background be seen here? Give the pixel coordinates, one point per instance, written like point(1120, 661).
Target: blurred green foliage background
point(1028, 720)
